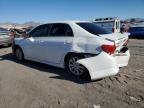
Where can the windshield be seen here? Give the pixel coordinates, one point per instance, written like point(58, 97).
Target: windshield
point(3, 30)
point(93, 28)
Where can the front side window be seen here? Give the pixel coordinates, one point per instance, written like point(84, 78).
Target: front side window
point(93, 28)
point(61, 30)
point(41, 31)
point(3, 30)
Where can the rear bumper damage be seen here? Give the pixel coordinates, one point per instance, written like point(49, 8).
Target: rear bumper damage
point(122, 58)
point(104, 65)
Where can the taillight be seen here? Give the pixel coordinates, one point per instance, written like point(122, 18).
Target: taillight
point(10, 34)
point(108, 48)
point(113, 30)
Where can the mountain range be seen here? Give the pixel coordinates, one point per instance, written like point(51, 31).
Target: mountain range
point(134, 20)
point(32, 23)
point(17, 25)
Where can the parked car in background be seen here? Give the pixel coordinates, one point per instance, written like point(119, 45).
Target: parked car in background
point(111, 24)
point(28, 29)
point(16, 32)
point(83, 48)
point(6, 38)
point(136, 32)
point(124, 27)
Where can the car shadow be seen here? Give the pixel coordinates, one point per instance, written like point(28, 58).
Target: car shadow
point(2, 46)
point(61, 74)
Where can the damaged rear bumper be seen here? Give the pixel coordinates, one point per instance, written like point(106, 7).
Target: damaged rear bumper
point(104, 65)
point(122, 59)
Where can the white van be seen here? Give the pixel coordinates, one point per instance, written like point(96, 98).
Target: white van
point(111, 24)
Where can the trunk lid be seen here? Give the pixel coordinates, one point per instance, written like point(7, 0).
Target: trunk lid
point(119, 39)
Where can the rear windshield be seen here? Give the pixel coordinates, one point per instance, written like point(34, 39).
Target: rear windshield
point(93, 28)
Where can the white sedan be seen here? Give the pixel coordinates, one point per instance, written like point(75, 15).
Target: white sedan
point(82, 47)
point(6, 37)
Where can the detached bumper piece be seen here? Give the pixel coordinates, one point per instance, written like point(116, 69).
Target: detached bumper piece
point(104, 65)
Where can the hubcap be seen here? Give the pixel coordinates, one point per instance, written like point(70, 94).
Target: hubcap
point(19, 54)
point(76, 68)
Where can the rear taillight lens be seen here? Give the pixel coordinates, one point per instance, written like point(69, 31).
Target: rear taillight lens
point(110, 49)
point(10, 34)
point(113, 30)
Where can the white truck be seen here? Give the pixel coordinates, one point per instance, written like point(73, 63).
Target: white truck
point(111, 24)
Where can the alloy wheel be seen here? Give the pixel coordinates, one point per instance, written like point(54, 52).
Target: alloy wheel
point(74, 67)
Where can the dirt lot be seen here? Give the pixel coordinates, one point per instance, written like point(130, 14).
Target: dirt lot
point(35, 85)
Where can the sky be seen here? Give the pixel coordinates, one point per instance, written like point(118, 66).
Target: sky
point(20, 11)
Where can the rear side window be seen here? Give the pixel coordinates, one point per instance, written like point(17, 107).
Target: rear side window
point(41, 31)
point(93, 28)
point(61, 30)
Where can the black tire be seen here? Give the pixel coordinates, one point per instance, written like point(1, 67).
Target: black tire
point(9, 45)
point(77, 69)
point(19, 54)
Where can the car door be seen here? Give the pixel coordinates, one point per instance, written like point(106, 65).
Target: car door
point(58, 43)
point(33, 47)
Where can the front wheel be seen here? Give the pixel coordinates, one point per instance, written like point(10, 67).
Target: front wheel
point(75, 68)
point(19, 54)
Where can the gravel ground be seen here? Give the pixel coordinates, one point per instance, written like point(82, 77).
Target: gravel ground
point(35, 85)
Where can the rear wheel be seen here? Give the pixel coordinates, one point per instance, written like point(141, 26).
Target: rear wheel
point(75, 68)
point(19, 54)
